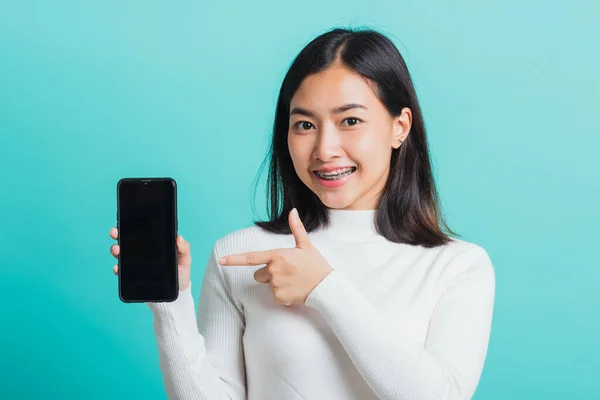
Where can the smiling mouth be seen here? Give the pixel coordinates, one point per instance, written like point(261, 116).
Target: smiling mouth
point(338, 174)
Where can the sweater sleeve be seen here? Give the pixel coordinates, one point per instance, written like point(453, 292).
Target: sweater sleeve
point(202, 358)
point(448, 366)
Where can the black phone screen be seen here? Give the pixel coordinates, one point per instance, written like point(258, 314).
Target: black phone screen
point(147, 223)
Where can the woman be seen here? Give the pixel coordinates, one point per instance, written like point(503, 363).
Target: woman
point(351, 289)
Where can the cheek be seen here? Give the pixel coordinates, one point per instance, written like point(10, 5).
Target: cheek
point(371, 155)
point(300, 154)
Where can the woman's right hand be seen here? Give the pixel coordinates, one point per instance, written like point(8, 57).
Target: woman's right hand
point(184, 259)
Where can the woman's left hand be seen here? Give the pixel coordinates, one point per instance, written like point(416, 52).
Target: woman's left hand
point(293, 273)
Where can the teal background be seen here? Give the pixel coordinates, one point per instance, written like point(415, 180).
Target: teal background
point(94, 91)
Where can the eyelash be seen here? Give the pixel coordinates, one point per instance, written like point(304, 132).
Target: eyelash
point(307, 122)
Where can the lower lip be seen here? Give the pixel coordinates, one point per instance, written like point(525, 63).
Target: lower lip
point(333, 184)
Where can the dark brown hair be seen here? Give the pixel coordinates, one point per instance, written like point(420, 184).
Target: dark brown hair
point(408, 209)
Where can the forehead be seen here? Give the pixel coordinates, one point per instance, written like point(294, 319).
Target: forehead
point(333, 87)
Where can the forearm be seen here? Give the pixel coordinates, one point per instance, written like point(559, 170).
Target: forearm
point(185, 366)
point(394, 366)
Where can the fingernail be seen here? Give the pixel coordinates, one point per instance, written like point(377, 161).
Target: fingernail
point(295, 212)
point(222, 260)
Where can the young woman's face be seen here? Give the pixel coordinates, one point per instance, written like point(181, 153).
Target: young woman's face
point(341, 138)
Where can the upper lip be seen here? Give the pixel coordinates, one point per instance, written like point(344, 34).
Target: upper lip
point(329, 169)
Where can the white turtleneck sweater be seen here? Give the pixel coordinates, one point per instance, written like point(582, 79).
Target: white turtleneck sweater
point(391, 321)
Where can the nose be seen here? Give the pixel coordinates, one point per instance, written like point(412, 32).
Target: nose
point(328, 144)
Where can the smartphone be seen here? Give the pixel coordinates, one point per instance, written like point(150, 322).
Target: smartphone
point(147, 223)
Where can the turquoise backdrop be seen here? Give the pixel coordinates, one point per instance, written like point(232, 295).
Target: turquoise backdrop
point(94, 91)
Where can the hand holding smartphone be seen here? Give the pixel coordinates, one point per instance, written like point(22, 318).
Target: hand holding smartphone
point(150, 254)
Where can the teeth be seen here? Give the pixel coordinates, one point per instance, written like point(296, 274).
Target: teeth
point(336, 174)
point(336, 171)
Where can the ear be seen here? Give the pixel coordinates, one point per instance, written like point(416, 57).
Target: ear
point(401, 125)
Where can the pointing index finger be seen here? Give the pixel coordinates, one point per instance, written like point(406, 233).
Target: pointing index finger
point(245, 259)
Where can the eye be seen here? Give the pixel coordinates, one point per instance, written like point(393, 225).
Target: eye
point(351, 121)
point(303, 125)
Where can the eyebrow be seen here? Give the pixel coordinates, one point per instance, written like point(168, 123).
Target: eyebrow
point(337, 110)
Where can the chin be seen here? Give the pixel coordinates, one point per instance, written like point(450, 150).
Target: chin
point(336, 200)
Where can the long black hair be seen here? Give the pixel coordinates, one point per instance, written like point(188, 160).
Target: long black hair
point(408, 210)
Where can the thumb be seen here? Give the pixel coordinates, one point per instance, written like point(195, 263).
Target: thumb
point(298, 230)
point(184, 257)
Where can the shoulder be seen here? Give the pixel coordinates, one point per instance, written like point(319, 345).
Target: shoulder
point(462, 261)
point(465, 261)
point(458, 248)
point(251, 238)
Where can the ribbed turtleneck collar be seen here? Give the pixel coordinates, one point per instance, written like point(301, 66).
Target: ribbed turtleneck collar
point(352, 223)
